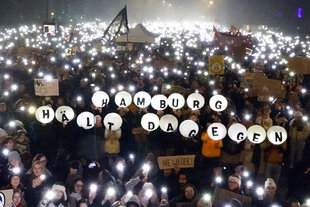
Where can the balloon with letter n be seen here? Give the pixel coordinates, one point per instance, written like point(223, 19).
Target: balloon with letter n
point(277, 135)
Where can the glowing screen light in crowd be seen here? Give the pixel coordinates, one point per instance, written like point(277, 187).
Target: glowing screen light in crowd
point(113, 121)
point(150, 122)
point(64, 114)
point(299, 13)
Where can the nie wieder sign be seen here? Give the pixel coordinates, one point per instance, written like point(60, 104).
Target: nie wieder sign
point(181, 161)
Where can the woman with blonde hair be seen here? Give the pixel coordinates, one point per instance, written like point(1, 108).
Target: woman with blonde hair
point(36, 180)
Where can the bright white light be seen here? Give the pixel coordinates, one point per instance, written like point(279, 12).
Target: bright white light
point(249, 183)
point(111, 191)
point(97, 88)
point(308, 201)
point(79, 98)
point(148, 193)
point(14, 87)
point(5, 152)
point(12, 123)
point(6, 93)
point(31, 109)
point(120, 87)
point(42, 177)
point(113, 90)
point(146, 167)
point(247, 117)
point(218, 179)
point(48, 78)
point(168, 87)
point(93, 187)
point(131, 88)
point(271, 99)
point(40, 74)
point(260, 191)
point(290, 112)
point(50, 195)
point(53, 59)
point(164, 190)
point(6, 76)
point(155, 88)
point(9, 62)
point(305, 118)
point(211, 82)
point(232, 113)
point(22, 108)
point(303, 90)
point(207, 197)
point(120, 167)
point(16, 170)
point(129, 193)
point(131, 156)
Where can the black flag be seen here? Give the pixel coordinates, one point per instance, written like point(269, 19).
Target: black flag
point(118, 26)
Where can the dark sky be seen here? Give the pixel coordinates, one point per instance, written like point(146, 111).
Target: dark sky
point(270, 12)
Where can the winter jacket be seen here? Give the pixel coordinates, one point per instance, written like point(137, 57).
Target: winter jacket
point(111, 144)
point(210, 147)
point(298, 136)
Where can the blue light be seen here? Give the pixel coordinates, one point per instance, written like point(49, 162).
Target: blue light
point(299, 13)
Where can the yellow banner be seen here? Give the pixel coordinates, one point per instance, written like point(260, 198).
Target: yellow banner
point(216, 65)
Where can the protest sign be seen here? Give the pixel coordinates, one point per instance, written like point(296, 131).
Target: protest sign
point(220, 196)
point(6, 197)
point(182, 161)
point(216, 65)
point(44, 87)
point(300, 65)
point(263, 86)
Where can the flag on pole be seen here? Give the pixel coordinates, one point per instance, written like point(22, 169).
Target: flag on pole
point(118, 26)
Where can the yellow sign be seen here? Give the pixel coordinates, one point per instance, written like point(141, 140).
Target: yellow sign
point(216, 65)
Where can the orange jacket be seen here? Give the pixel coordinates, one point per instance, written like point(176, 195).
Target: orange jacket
point(210, 147)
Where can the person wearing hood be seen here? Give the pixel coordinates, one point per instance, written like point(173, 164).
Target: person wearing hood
point(59, 198)
point(22, 142)
point(133, 202)
point(298, 133)
point(14, 166)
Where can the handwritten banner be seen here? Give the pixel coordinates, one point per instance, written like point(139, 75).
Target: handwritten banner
point(44, 87)
point(182, 161)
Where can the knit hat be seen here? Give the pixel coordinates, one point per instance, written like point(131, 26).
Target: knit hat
point(235, 178)
point(14, 156)
point(134, 200)
point(270, 182)
point(60, 188)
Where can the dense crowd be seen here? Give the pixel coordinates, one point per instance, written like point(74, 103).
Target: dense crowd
point(61, 164)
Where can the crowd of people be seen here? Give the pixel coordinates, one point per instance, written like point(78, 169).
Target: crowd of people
point(61, 164)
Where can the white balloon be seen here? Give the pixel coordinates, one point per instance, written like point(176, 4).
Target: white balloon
point(218, 103)
point(256, 134)
point(86, 120)
point(113, 121)
point(168, 123)
point(123, 99)
point(159, 102)
point(64, 114)
point(195, 101)
point(237, 132)
point(100, 99)
point(176, 101)
point(150, 122)
point(277, 135)
point(142, 99)
point(189, 128)
point(217, 131)
point(45, 114)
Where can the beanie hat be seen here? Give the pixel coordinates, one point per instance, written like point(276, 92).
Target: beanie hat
point(14, 156)
point(134, 200)
point(270, 182)
point(235, 178)
point(60, 188)
point(235, 203)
